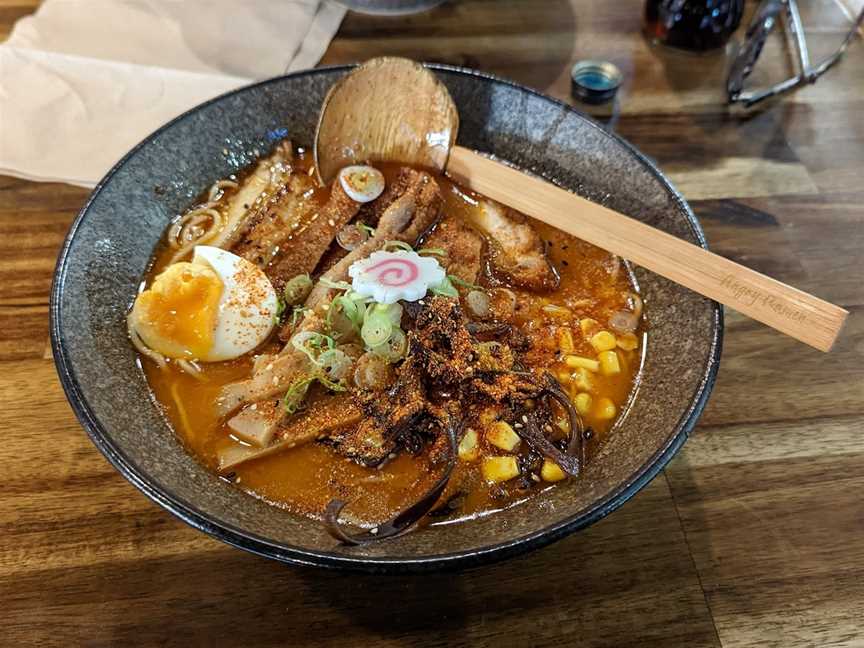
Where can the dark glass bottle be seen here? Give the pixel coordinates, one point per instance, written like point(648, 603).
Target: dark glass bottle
point(695, 25)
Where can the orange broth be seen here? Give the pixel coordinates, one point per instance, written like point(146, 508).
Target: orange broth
point(304, 479)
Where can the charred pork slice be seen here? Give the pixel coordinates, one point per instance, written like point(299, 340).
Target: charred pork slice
point(370, 215)
point(304, 246)
point(405, 182)
point(274, 221)
point(389, 420)
point(440, 342)
point(518, 253)
point(406, 219)
point(462, 244)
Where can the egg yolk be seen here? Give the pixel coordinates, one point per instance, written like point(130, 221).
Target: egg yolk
point(177, 315)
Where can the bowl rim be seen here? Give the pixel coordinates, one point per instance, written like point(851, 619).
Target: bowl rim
point(261, 546)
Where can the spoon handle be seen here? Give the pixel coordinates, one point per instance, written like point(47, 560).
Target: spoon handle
point(782, 307)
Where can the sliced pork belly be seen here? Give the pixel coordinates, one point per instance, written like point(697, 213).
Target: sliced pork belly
point(407, 218)
point(463, 245)
point(518, 253)
point(274, 221)
point(303, 248)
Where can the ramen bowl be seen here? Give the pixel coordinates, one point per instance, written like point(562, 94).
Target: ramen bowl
point(110, 244)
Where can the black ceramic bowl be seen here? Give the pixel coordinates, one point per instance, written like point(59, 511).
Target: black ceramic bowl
point(109, 246)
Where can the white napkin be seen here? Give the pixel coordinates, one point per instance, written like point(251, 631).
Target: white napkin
point(83, 81)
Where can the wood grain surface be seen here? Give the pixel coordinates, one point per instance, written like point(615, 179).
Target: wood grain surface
point(754, 534)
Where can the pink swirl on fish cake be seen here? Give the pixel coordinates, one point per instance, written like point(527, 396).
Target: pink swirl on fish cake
point(394, 272)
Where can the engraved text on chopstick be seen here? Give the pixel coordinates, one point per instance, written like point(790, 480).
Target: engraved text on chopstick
point(751, 296)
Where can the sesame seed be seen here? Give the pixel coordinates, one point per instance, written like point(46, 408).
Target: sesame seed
point(518, 426)
point(524, 419)
point(373, 530)
point(331, 222)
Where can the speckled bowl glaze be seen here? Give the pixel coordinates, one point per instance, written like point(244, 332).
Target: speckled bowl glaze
point(109, 246)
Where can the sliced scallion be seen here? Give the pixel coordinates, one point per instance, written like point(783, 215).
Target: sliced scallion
point(445, 288)
point(395, 348)
point(297, 289)
point(336, 285)
point(377, 327)
point(398, 245)
point(433, 251)
point(461, 282)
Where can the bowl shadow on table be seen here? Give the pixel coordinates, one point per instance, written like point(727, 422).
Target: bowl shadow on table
point(628, 576)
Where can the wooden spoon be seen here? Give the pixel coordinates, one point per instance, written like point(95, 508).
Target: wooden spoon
point(394, 109)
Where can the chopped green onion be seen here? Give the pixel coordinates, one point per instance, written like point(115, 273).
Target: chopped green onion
point(445, 288)
point(461, 282)
point(297, 289)
point(280, 309)
point(296, 394)
point(392, 311)
point(394, 348)
point(363, 227)
point(434, 251)
point(296, 314)
point(330, 384)
point(337, 285)
point(335, 364)
point(399, 245)
point(293, 400)
point(309, 341)
point(354, 310)
point(357, 297)
point(376, 329)
point(345, 315)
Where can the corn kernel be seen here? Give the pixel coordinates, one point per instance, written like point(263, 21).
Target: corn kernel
point(605, 409)
point(563, 376)
point(499, 469)
point(583, 403)
point(603, 341)
point(551, 472)
point(565, 340)
point(501, 435)
point(575, 361)
point(469, 448)
point(628, 341)
point(581, 380)
point(587, 325)
point(609, 363)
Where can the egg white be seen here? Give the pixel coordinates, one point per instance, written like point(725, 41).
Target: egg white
point(247, 306)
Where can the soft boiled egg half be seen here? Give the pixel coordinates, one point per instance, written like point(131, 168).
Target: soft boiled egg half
point(216, 307)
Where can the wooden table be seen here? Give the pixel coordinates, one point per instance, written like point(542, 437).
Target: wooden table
point(754, 535)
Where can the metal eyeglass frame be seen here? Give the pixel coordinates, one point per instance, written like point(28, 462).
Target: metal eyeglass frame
point(763, 22)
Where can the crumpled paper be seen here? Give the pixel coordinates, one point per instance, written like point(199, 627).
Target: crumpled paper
point(83, 81)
